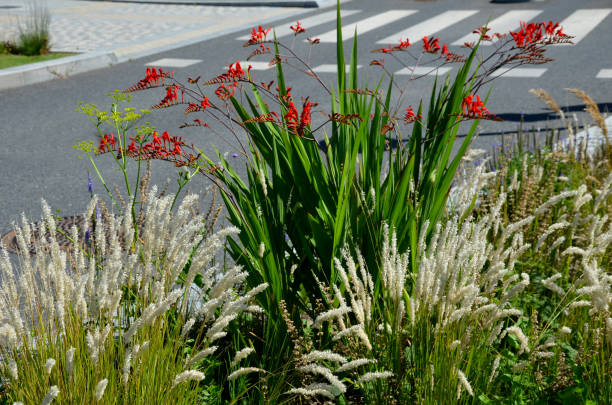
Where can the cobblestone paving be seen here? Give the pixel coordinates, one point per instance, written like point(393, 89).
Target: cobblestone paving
point(82, 26)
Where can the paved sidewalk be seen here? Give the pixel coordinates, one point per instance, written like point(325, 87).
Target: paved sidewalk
point(104, 33)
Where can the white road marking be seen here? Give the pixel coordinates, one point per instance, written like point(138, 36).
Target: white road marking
point(502, 24)
point(307, 23)
point(176, 63)
point(429, 26)
point(330, 68)
point(519, 72)
point(255, 65)
point(424, 70)
point(366, 25)
point(581, 22)
point(604, 74)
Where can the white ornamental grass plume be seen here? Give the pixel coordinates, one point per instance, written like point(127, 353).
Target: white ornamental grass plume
point(550, 283)
point(51, 395)
point(459, 269)
point(100, 388)
point(393, 275)
point(241, 355)
point(464, 384)
point(188, 375)
point(70, 360)
point(374, 375)
point(49, 365)
point(469, 183)
point(56, 286)
point(243, 371)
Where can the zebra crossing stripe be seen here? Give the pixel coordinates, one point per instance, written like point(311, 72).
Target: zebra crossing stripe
point(429, 26)
point(172, 62)
point(502, 24)
point(519, 72)
point(581, 22)
point(424, 70)
point(330, 68)
point(366, 25)
point(254, 65)
point(604, 74)
point(307, 23)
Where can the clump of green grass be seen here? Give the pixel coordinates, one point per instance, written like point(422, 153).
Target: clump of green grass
point(33, 36)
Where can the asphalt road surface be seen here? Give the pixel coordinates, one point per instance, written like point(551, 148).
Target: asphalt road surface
point(38, 125)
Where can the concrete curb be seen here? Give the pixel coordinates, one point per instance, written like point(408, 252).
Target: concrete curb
point(59, 68)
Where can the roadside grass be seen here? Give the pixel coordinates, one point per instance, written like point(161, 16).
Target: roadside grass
point(7, 61)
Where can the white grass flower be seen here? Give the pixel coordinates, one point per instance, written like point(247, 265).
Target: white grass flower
point(518, 333)
point(455, 344)
point(543, 355)
point(609, 329)
point(200, 355)
point(18, 403)
point(187, 327)
point(49, 365)
point(353, 330)
point(550, 284)
point(243, 371)
point(464, 382)
point(556, 243)
point(51, 395)
point(374, 375)
point(262, 250)
point(314, 390)
point(354, 364)
point(332, 313)
point(189, 375)
point(70, 360)
point(554, 200)
point(12, 369)
point(242, 354)
point(127, 367)
point(100, 387)
point(494, 369)
point(325, 372)
point(317, 355)
point(565, 330)
point(580, 304)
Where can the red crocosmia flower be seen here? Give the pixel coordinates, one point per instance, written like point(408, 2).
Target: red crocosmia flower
point(258, 35)
point(177, 149)
point(236, 73)
point(205, 103)
point(297, 29)
point(166, 138)
point(107, 143)
point(225, 93)
point(473, 107)
point(404, 44)
point(431, 45)
point(482, 32)
point(410, 116)
point(305, 117)
point(156, 139)
point(467, 45)
point(298, 123)
point(444, 49)
point(313, 40)
point(377, 62)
